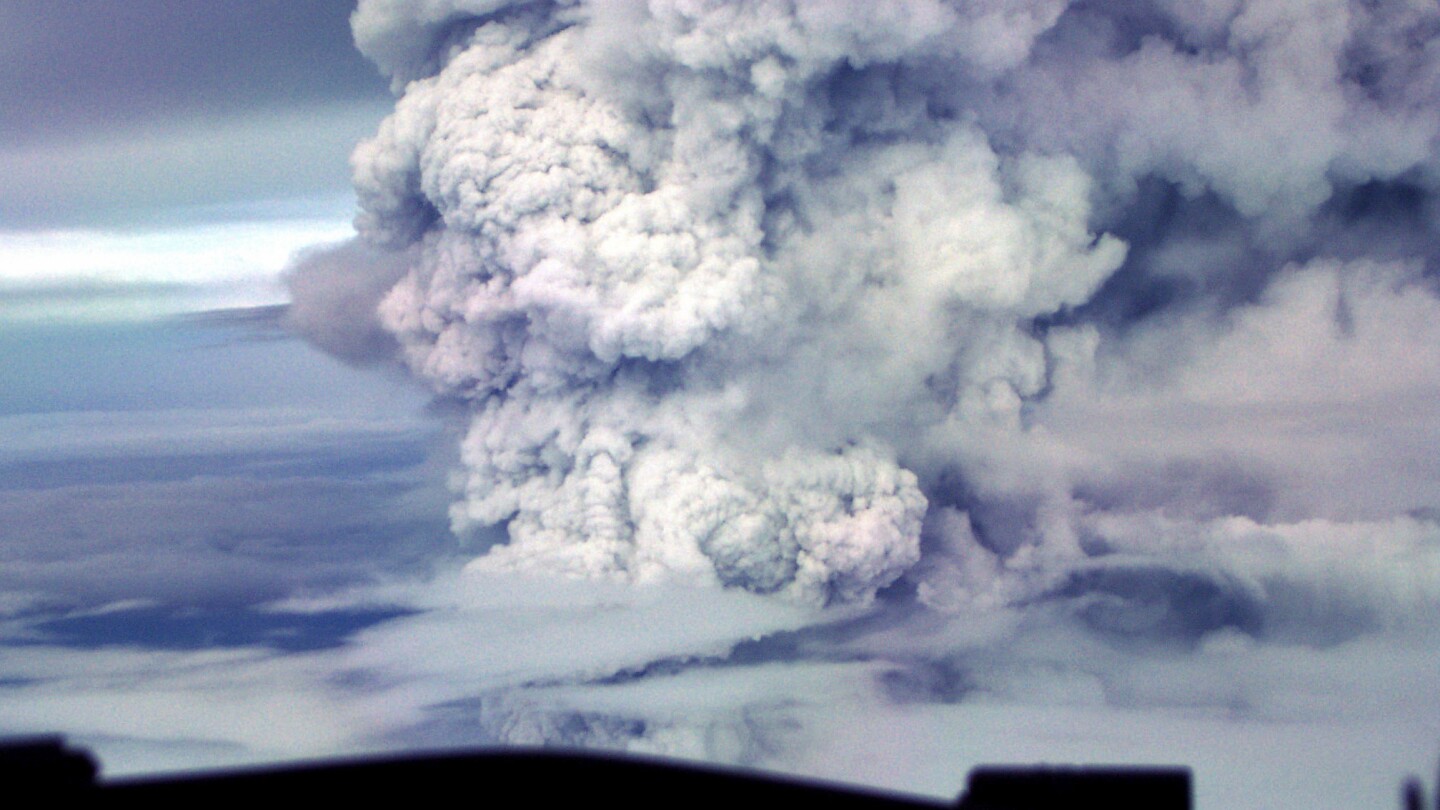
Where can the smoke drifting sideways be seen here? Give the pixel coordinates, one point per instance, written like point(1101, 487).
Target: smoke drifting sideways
point(993, 300)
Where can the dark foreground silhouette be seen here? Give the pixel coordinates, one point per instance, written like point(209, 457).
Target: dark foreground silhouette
point(42, 769)
point(46, 767)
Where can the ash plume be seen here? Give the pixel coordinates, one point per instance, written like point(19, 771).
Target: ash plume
point(779, 294)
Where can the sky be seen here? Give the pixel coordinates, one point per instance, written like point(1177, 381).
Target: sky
point(160, 150)
point(858, 391)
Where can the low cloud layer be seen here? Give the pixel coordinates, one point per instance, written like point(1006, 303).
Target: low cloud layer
point(202, 464)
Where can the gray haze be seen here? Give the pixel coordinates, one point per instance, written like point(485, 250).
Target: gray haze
point(117, 114)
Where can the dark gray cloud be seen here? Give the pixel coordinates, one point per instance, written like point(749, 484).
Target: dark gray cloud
point(73, 69)
point(335, 296)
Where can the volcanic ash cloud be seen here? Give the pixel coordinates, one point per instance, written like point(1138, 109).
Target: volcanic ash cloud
point(751, 293)
point(707, 276)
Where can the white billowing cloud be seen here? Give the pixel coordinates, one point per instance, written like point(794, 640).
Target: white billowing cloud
point(400, 36)
point(779, 294)
point(667, 269)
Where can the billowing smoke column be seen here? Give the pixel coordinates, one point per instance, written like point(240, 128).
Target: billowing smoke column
point(759, 293)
